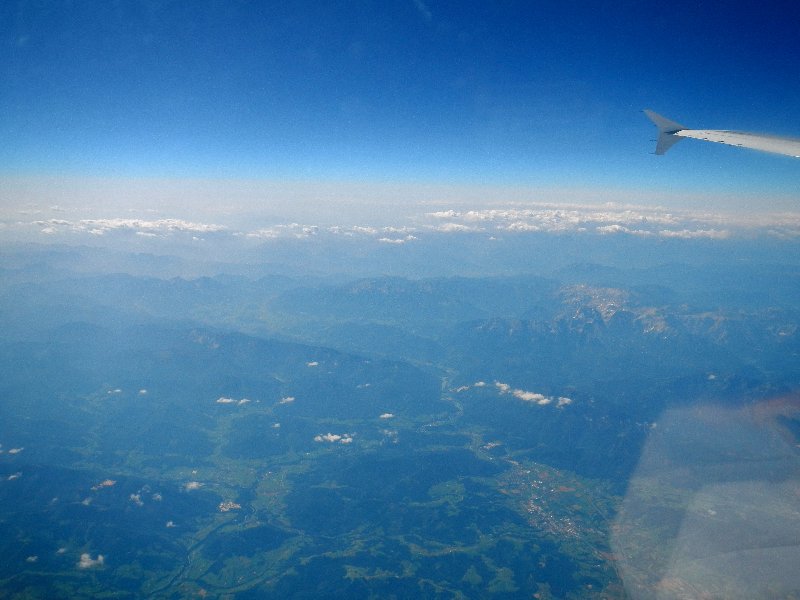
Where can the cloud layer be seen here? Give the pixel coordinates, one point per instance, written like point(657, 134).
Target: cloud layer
point(600, 219)
point(611, 219)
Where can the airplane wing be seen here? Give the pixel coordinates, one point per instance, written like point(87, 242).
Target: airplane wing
point(670, 133)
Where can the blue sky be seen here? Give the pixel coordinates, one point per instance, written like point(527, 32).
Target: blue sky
point(538, 94)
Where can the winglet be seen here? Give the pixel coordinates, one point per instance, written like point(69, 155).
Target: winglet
point(666, 131)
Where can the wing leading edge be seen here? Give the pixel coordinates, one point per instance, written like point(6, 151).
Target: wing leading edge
point(670, 133)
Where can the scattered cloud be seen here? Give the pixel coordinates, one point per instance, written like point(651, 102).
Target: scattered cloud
point(286, 400)
point(525, 396)
point(170, 524)
point(697, 233)
point(192, 485)
point(15, 450)
point(455, 228)
point(332, 438)
point(104, 484)
point(390, 435)
point(532, 397)
point(136, 499)
point(157, 228)
point(14, 476)
point(386, 415)
point(87, 562)
point(142, 392)
point(290, 230)
point(610, 219)
point(397, 241)
point(225, 400)
point(32, 559)
point(617, 228)
point(228, 506)
point(313, 363)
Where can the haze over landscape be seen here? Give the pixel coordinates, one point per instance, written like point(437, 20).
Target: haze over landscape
point(394, 300)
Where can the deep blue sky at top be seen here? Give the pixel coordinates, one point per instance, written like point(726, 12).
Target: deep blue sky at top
point(532, 93)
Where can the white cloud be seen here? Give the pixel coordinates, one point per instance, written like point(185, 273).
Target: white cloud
point(136, 499)
point(444, 214)
point(386, 415)
point(697, 233)
point(532, 397)
point(270, 233)
point(332, 438)
point(192, 485)
point(455, 228)
point(170, 524)
point(285, 230)
point(15, 450)
point(144, 227)
point(226, 400)
point(286, 400)
point(14, 476)
point(313, 363)
point(363, 230)
point(106, 483)
point(390, 435)
point(617, 228)
point(87, 562)
point(611, 218)
point(32, 559)
point(517, 218)
point(522, 226)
